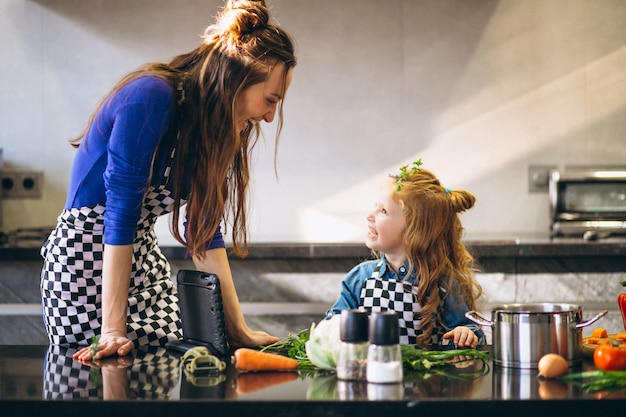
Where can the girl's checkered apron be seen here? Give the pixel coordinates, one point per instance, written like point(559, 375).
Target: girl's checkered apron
point(380, 294)
point(71, 280)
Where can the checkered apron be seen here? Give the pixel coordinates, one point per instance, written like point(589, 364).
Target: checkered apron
point(71, 280)
point(153, 375)
point(379, 294)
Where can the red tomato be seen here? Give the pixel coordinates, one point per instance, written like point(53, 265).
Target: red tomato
point(610, 358)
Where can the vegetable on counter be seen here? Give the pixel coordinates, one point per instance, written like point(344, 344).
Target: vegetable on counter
point(599, 333)
point(464, 364)
point(294, 346)
point(322, 348)
point(610, 356)
point(598, 381)
point(415, 359)
point(591, 343)
point(621, 303)
point(315, 349)
point(93, 347)
point(326, 340)
point(250, 382)
point(250, 360)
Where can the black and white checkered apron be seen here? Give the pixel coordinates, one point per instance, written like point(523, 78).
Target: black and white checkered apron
point(71, 280)
point(153, 375)
point(379, 294)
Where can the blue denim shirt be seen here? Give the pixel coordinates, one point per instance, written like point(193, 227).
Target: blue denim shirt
point(454, 307)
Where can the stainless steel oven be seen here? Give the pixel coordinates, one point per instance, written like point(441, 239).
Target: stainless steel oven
point(586, 200)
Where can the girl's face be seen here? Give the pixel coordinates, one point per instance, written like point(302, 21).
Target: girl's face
point(258, 102)
point(386, 225)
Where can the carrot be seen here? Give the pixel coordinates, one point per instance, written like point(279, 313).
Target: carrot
point(255, 381)
point(620, 336)
point(255, 360)
point(593, 340)
point(599, 332)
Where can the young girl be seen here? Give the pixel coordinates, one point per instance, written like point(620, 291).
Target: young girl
point(168, 135)
point(424, 271)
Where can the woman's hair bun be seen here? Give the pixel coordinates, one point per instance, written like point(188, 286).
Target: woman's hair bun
point(242, 17)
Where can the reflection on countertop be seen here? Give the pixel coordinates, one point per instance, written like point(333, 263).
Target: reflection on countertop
point(43, 381)
point(154, 374)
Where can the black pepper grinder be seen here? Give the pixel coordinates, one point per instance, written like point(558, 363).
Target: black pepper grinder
point(353, 330)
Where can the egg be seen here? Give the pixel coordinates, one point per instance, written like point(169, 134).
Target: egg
point(552, 365)
point(552, 390)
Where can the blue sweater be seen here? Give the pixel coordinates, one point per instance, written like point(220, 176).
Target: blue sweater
point(113, 165)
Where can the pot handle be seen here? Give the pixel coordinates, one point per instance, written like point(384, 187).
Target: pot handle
point(478, 319)
point(592, 320)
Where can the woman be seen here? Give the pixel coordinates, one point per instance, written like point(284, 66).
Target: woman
point(168, 134)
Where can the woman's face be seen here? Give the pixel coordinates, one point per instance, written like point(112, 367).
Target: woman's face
point(259, 101)
point(386, 225)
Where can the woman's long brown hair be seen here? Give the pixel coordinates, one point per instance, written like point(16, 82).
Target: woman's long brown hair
point(433, 242)
point(211, 168)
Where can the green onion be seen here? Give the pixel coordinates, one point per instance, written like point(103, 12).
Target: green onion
point(93, 348)
point(413, 359)
point(595, 381)
point(420, 359)
point(426, 362)
point(293, 346)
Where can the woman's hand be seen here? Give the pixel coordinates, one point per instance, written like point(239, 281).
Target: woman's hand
point(239, 334)
point(251, 339)
point(114, 377)
point(119, 362)
point(462, 337)
point(116, 269)
point(107, 345)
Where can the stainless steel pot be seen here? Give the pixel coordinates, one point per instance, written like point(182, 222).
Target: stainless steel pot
point(523, 333)
point(523, 384)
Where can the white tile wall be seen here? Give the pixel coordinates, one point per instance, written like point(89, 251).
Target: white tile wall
point(479, 89)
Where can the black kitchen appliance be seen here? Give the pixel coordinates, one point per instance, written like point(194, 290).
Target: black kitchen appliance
point(201, 313)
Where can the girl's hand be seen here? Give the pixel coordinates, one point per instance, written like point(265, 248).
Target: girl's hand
point(462, 361)
point(108, 345)
point(462, 337)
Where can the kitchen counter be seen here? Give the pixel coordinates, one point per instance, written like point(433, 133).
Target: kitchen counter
point(505, 253)
point(38, 380)
point(516, 269)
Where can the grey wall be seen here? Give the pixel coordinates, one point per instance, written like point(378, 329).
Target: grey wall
point(480, 89)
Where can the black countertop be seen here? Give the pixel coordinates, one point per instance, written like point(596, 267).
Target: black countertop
point(507, 253)
point(38, 380)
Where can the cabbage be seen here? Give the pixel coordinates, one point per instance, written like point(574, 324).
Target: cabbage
point(322, 348)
